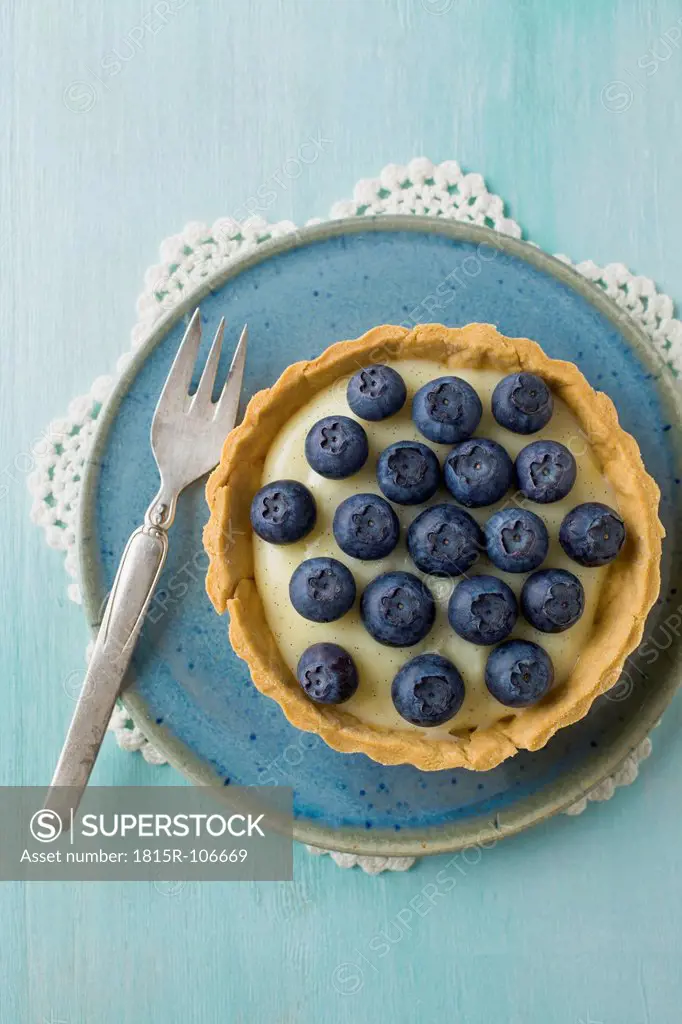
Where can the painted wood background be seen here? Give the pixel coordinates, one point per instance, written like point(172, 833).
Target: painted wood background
point(123, 121)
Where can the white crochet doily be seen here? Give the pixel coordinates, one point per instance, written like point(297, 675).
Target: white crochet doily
point(199, 251)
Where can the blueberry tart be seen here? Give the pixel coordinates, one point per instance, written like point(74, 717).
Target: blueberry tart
point(436, 546)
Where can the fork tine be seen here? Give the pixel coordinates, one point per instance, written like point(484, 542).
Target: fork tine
point(228, 403)
point(180, 375)
point(203, 393)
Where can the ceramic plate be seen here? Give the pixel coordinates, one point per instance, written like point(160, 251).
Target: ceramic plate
point(192, 696)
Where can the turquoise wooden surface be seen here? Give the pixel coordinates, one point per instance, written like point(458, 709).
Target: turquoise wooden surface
point(117, 129)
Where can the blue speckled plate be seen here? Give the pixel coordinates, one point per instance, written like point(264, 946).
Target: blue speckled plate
point(193, 696)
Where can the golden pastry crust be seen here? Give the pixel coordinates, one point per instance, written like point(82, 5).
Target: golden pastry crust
point(630, 588)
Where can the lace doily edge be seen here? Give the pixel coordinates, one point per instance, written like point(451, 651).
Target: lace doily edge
point(397, 189)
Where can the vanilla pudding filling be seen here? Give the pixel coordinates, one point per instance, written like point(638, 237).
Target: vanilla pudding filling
point(377, 664)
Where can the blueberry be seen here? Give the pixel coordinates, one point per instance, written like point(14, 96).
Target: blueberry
point(365, 526)
point(327, 674)
point(446, 410)
point(408, 472)
point(592, 534)
point(522, 402)
point(545, 471)
point(519, 673)
point(322, 589)
point(478, 472)
point(336, 447)
point(516, 540)
point(376, 393)
point(428, 690)
point(444, 540)
point(397, 609)
point(552, 600)
point(483, 610)
point(283, 511)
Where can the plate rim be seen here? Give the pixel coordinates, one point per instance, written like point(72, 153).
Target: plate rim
point(531, 810)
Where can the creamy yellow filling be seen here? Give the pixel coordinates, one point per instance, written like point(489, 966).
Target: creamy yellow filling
point(377, 665)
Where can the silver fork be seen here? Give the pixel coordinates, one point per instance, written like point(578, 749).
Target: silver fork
point(186, 435)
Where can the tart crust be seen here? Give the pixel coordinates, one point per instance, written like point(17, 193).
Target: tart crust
point(630, 588)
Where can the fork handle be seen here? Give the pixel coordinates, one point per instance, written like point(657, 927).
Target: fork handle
point(133, 587)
